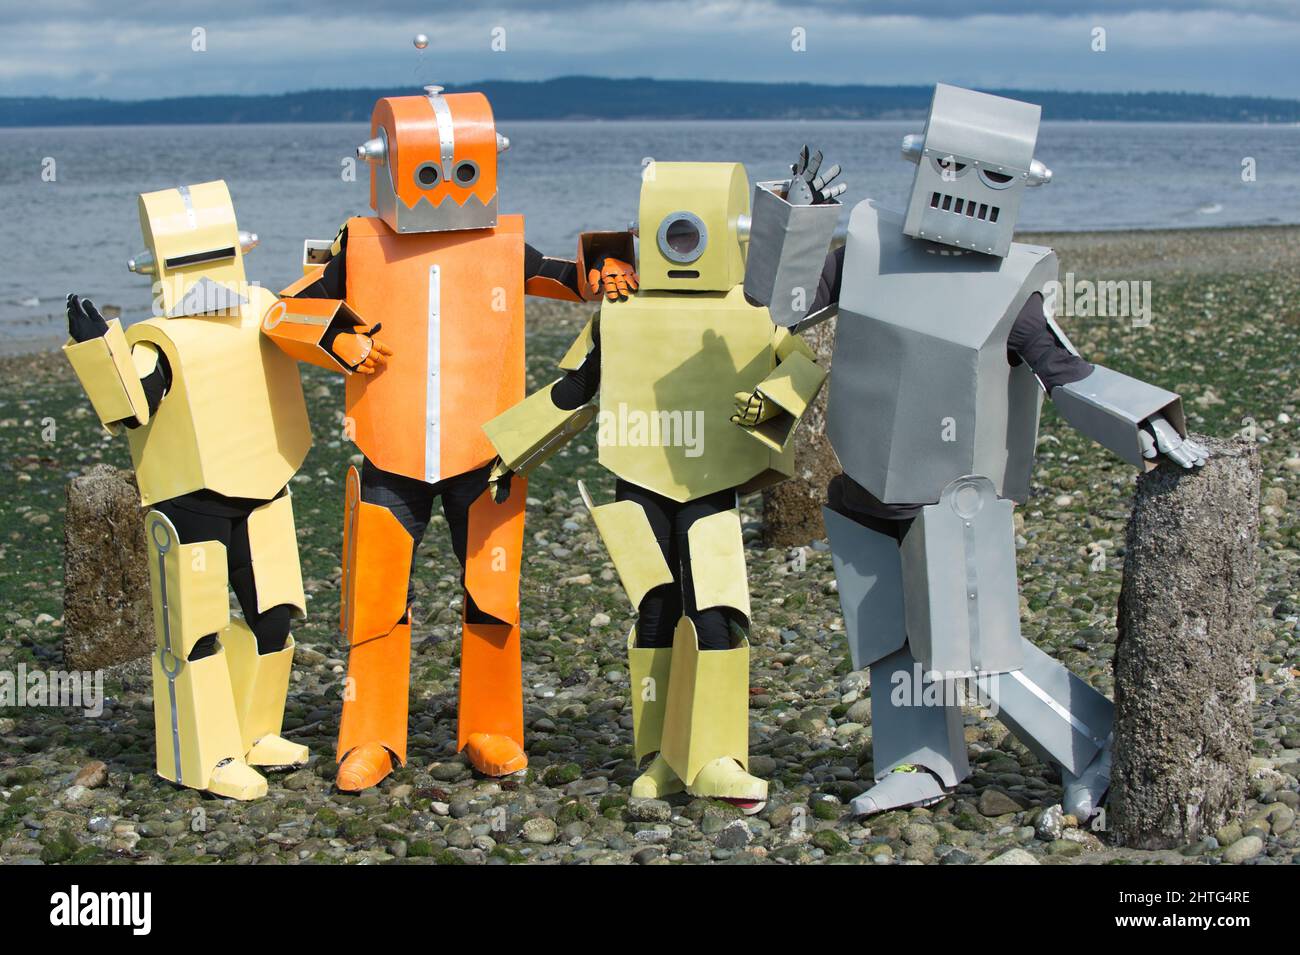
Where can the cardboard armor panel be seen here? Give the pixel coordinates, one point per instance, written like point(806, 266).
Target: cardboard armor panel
point(451, 304)
point(234, 421)
point(671, 365)
point(923, 391)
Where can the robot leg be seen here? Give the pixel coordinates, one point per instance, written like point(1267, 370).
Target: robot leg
point(641, 567)
point(261, 681)
point(1062, 720)
point(490, 714)
point(917, 749)
point(375, 619)
point(196, 726)
point(649, 669)
point(706, 725)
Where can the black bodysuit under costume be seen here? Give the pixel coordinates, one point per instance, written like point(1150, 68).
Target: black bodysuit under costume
point(1031, 340)
point(670, 520)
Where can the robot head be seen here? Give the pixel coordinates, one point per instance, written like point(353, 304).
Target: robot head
point(693, 224)
point(433, 161)
point(193, 250)
point(973, 163)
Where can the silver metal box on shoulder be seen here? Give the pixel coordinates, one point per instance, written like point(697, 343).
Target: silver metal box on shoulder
point(787, 249)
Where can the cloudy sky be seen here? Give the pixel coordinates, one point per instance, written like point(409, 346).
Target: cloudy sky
point(79, 47)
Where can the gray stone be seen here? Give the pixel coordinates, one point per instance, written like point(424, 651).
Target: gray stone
point(541, 831)
point(1184, 663)
point(1014, 857)
point(1243, 849)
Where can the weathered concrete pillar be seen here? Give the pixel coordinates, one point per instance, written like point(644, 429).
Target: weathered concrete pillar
point(792, 510)
point(107, 615)
point(1184, 662)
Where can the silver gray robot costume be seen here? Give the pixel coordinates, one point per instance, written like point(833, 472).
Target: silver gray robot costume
point(943, 351)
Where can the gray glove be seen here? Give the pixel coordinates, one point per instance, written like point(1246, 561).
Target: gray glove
point(1159, 437)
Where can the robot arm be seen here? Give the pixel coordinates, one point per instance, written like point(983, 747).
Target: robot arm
point(125, 384)
point(1139, 422)
point(790, 229)
point(312, 322)
point(604, 258)
point(772, 411)
point(527, 434)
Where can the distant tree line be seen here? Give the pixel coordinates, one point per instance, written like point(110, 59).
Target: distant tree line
point(584, 97)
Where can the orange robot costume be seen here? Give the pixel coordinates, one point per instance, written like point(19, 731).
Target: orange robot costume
point(445, 277)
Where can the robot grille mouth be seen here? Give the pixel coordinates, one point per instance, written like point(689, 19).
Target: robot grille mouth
point(194, 258)
point(964, 207)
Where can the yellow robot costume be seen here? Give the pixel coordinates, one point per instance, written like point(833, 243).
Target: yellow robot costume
point(699, 396)
point(217, 426)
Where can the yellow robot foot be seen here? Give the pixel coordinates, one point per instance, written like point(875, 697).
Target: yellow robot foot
point(725, 779)
point(236, 780)
point(495, 755)
point(365, 766)
point(657, 781)
point(273, 750)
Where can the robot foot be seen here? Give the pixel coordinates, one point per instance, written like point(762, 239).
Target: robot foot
point(236, 780)
point(367, 765)
point(277, 751)
point(495, 755)
point(1084, 793)
point(725, 779)
point(901, 788)
point(657, 781)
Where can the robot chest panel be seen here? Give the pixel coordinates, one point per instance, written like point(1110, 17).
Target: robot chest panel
point(671, 365)
point(451, 304)
point(234, 420)
point(922, 390)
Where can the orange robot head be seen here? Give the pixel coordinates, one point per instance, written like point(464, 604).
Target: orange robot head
point(433, 161)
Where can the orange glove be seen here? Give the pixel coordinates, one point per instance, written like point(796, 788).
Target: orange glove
point(360, 351)
point(613, 278)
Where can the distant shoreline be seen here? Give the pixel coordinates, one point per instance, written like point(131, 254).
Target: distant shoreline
point(640, 99)
point(1141, 253)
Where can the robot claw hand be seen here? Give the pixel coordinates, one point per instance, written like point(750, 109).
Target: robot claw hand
point(1160, 437)
point(361, 351)
point(499, 481)
point(613, 278)
point(807, 188)
point(752, 409)
point(84, 320)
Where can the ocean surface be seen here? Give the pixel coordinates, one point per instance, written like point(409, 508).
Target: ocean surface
point(75, 233)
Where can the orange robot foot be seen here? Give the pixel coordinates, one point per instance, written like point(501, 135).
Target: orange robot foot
point(365, 766)
point(495, 755)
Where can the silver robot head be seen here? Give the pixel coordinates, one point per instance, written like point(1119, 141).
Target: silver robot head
point(973, 163)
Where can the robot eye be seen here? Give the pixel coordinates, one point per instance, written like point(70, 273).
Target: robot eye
point(949, 165)
point(682, 237)
point(466, 172)
point(998, 180)
point(428, 175)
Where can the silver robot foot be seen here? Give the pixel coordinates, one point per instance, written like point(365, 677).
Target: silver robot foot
point(898, 789)
point(1085, 792)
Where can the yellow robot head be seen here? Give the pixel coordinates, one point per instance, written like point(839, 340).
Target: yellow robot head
point(693, 224)
point(193, 250)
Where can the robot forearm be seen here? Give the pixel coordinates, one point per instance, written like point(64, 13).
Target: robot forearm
point(527, 434)
point(785, 394)
point(111, 373)
point(1112, 409)
point(571, 281)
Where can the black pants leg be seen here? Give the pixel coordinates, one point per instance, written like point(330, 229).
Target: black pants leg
point(411, 502)
point(663, 606)
point(206, 517)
